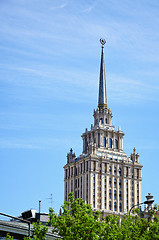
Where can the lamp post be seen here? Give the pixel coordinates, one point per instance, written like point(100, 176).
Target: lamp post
point(149, 201)
point(22, 220)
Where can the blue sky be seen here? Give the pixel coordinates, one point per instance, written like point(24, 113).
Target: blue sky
point(49, 72)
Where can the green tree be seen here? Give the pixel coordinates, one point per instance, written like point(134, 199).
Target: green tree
point(79, 222)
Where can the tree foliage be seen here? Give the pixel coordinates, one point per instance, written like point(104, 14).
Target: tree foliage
point(79, 222)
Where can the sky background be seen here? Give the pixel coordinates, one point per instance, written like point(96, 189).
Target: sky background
point(49, 72)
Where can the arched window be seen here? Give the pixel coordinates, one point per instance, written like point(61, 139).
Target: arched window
point(106, 120)
point(116, 144)
point(101, 120)
point(110, 143)
point(104, 142)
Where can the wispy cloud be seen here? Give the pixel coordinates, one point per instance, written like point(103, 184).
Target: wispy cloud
point(61, 6)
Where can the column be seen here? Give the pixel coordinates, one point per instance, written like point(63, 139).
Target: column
point(96, 181)
point(91, 189)
point(124, 194)
point(102, 191)
point(107, 192)
point(129, 194)
point(112, 187)
point(117, 192)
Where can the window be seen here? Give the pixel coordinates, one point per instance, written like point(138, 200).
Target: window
point(110, 170)
point(119, 207)
point(104, 142)
point(115, 194)
point(98, 139)
point(116, 144)
point(101, 120)
point(110, 143)
point(110, 205)
point(119, 171)
point(105, 182)
point(114, 170)
point(119, 195)
point(94, 166)
point(87, 166)
point(105, 167)
point(127, 171)
point(115, 206)
point(71, 185)
point(119, 183)
point(76, 183)
point(110, 193)
point(106, 120)
point(115, 183)
point(110, 182)
point(93, 180)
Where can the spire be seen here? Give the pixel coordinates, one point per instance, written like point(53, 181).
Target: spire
point(102, 100)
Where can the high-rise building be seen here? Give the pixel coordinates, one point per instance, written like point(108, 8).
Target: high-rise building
point(103, 175)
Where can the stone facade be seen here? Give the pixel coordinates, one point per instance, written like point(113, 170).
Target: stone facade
point(103, 175)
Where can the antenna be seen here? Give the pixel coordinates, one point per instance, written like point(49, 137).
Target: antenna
point(50, 198)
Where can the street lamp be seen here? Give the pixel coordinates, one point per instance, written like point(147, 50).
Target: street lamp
point(149, 201)
point(22, 220)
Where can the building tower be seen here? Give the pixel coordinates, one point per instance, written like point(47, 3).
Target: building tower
point(103, 175)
